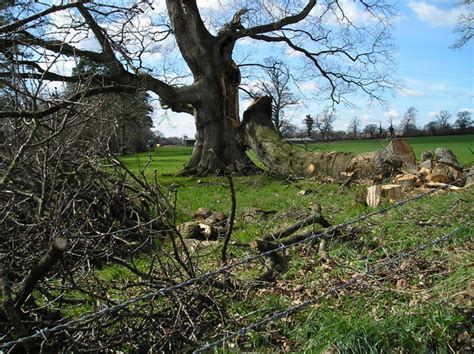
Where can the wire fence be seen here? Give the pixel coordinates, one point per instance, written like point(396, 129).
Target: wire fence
point(292, 310)
point(311, 236)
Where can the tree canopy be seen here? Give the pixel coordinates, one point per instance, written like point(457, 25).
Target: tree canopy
point(192, 56)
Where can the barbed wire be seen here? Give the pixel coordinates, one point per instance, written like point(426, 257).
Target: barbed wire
point(311, 236)
point(290, 311)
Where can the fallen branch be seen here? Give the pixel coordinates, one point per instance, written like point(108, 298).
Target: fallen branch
point(311, 220)
point(10, 310)
point(40, 269)
point(230, 224)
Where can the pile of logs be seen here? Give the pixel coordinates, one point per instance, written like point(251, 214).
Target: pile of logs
point(438, 169)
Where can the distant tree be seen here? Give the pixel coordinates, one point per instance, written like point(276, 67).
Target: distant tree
point(290, 130)
point(309, 123)
point(409, 120)
point(324, 123)
point(354, 127)
point(339, 135)
point(277, 86)
point(442, 119)
point(391, 128)
point(370, 130)
point(431, 128)
point(127, 117)
point(464, 121)
point(381, 130)
point(465, 25)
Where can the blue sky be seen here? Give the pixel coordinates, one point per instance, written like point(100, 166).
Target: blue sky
point(434, 76)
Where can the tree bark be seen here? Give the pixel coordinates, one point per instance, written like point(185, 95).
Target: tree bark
point(218, 143)
point(287, 159)
point(39, 270)
point(216, 112)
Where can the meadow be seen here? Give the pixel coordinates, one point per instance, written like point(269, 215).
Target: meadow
point(418, 304)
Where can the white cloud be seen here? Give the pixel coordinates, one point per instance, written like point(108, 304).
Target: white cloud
point(435, 15)
point(410, 93)
point(174, 124)
point(211, 4)
point(432, 115)
point(470, 110)
point(391, 113)
point(308, 86)
point(293, 53)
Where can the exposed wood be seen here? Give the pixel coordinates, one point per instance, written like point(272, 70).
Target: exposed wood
point(374, 195)
point(399, 154)
point(322, 252)
point(311, 220)
point(198, 230)
point(444, 173)
point(58, 246)
point(446, 156)
point(406, 181)
point(286, 159)
point(392, 191)
point(427, 159)
point(442, 185)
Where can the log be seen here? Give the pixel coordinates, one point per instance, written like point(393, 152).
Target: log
point(198, 230)
point(446, 156)
point(392, 191)
point(443, 185)
point(374, 195)
point(311, 220)
point(286, 159)
point(406, 181)
point(427, 159)
point(444, 173)
point(58, 246)
point(399, 153)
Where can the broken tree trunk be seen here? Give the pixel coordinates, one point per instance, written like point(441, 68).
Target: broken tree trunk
point(287, 159)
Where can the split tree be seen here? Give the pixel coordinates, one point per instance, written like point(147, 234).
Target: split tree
point(342, 46)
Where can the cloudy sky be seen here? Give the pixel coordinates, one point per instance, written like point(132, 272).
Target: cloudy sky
point(434, 76)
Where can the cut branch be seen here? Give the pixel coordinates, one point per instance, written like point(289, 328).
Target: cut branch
point(67, 102)
point(39, 270)
point(311, 220)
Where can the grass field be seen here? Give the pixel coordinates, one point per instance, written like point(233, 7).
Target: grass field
point(420, 304)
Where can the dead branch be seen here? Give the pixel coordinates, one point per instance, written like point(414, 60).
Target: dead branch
point(230, 223)
point(40, 269)
point(311, 220)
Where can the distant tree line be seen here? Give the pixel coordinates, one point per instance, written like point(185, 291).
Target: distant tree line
point(321, 126)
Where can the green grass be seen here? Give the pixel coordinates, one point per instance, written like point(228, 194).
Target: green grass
point(412, 306)
point(459, 144)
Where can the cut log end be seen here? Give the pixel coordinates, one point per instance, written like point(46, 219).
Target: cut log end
point(60, 244)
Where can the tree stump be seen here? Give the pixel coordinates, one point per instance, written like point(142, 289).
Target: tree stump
point(392, 191)
point(406, 181)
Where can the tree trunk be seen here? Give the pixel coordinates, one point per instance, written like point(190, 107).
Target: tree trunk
point(283, 158)
point(218, 141)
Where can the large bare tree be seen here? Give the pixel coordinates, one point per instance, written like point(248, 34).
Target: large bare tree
point(341, 46)
point(276, 85)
